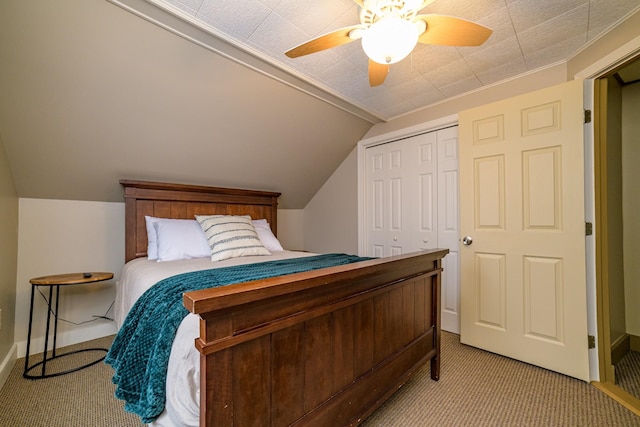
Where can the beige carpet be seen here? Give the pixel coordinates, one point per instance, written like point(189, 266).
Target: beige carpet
point(628, 373)
point(83, 398)
point(476, 389)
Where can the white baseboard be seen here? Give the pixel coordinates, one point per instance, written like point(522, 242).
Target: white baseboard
point(7, 364)
point(67, 338)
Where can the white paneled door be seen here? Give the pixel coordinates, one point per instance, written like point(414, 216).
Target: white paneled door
point(523, 283)
point(411, 203)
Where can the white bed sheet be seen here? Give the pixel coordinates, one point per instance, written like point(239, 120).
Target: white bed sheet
point(183, 376)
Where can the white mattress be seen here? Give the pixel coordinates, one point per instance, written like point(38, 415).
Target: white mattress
point(183, 376)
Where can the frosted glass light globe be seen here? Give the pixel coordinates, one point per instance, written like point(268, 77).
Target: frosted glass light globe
point(390, 40)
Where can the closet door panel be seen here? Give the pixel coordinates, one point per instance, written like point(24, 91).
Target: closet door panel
point(422, 173)
point(412, 204)
point(375, 212)
point(449, 226)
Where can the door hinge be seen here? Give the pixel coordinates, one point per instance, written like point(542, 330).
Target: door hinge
point(592, 341)
point(588, 228)
point(587, 116)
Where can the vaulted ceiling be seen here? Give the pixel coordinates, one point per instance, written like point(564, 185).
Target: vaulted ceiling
point(90, 94)
point(527, 35)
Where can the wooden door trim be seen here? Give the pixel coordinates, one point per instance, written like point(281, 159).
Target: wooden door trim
point(622, 397)
point(607, 374)
point(601, 231)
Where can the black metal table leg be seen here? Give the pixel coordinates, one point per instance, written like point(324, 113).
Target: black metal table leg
point(46, 336)
point(55, 322)
point(26, 359)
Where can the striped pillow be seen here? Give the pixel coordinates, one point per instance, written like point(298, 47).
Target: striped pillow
point(231, 236)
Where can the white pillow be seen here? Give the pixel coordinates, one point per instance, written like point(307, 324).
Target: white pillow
point(152, 238)
point(152, 234)
point(231, 236)
point(180, 239)
point(266, 236)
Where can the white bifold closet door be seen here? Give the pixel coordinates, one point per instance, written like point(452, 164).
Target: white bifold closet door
point(411, 203)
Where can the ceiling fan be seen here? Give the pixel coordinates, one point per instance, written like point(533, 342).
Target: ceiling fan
point(390, 29)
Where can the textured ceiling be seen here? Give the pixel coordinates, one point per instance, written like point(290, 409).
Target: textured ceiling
point(527, 35)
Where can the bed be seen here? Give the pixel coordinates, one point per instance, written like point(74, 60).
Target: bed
point(322, 348)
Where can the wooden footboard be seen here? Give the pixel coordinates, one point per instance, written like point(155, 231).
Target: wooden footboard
point(320, 348)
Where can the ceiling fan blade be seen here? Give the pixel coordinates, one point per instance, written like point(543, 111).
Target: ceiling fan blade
point(449, 31)
point(377, 73)
point(327, 41)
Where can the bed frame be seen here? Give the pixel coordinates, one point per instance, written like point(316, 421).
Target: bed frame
point(319, 348)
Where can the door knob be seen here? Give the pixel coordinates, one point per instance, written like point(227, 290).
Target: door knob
point(467, 240)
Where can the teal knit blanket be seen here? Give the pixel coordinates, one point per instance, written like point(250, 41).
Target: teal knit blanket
point(140, 351)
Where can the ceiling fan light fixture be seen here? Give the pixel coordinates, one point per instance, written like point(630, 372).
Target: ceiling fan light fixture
point(390, 39)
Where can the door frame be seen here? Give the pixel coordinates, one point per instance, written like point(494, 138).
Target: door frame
point(597, 286)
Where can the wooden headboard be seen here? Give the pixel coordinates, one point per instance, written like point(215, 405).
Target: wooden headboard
point(181, 201)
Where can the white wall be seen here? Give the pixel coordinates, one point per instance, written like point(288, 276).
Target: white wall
point(60, 236)
point(331, 217)
point(290, 228)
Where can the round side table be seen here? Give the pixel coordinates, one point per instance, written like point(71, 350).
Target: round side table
point(55, 281)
